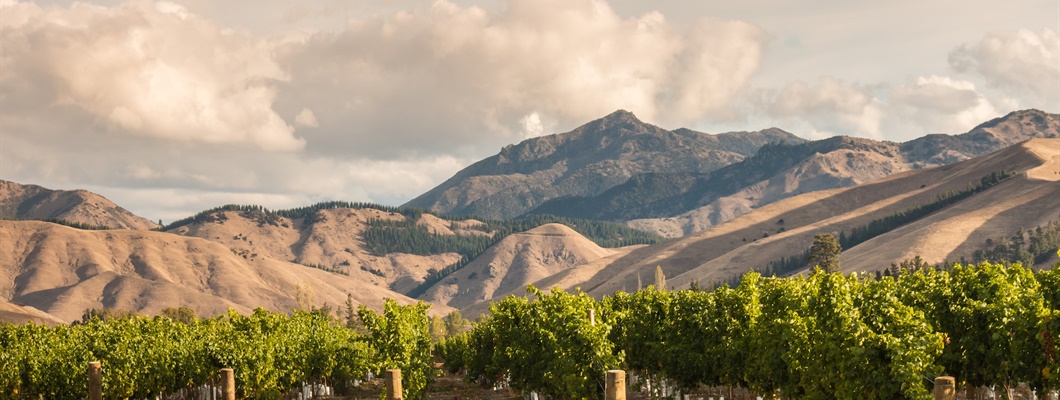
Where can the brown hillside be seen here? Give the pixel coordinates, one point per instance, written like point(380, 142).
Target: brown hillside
point(853, 161)
point(21, 314)
point(514, 262)
point(1022, 201)
point(63, 271)
point(759, 237)
point(332, 240)
point(19, 201)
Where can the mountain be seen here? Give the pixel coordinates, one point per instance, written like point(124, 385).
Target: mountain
point(677, 204)
point(516, 261)
point(76, 206)
point(785, 229)
point(330, 239)
point(585, 162)
point(21, 314)
point(63, 271)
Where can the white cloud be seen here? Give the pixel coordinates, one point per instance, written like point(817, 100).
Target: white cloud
point(931, 104)
point(939, 104)
point(1023, 59)
point(532, 126)
point(829, 107)
point(306, 118)
point(149, 69)
point(445, 77)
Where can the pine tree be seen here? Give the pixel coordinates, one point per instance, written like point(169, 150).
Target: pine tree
point(824, 252)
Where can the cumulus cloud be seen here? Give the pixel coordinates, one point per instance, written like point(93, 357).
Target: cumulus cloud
point(1025, 59)
point(442, 77)
point(143, 68)
point(940, 104)
point(928, 104)
point(830, 107)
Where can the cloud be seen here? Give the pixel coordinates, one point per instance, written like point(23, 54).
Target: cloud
point(829, 107)
point(931, 104)
point(143, 68)
point(532, 126)
point(940, 104)
point(447, 78)
point(1025, 59)
point(306, 118)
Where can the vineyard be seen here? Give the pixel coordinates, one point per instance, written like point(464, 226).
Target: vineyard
point(822, 336)
point(271, 353)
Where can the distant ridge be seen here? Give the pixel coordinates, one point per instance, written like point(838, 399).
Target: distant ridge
point(19, 201)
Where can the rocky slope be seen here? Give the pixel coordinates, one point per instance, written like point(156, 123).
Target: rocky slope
point(677, 204)
point(585, 162)
point(19, 201)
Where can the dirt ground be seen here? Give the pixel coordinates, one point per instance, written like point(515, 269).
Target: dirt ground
point(446, 387)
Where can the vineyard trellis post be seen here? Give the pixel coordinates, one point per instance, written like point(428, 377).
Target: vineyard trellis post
point(228, 384)
point(393, 384)
point(945, 389)
point(95, 381)
point(616, 385)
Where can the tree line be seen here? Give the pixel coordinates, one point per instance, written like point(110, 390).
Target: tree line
point(880, 226)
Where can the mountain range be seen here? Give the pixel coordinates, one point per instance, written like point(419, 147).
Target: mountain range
point(734, 202)
point(585, 162)
point(676, 197)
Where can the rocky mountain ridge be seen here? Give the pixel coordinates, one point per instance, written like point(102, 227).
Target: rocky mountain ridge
point(586, 161)
point(677, 204)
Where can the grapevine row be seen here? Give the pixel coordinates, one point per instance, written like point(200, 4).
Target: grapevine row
point(821, 336)
point(271, 353)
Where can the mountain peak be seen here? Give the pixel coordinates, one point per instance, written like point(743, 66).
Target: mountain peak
point(617, 118)
point(1028, 116)
point(620, 115)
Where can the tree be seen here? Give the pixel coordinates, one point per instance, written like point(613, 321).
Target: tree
point(824, 252)
point(660, 278)
point(183, 314)
point(455, 324)
point(438, 330)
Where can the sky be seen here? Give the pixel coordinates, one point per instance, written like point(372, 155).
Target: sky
point(173, 107)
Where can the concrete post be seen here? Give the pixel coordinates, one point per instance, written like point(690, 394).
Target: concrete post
point(95, 381)
point(615, 388)
point(393, 384)
point(228, 384)
point(945, 389)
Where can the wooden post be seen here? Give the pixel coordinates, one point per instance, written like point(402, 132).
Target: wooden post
point(95, 381)
point(592, 317)
point(228, 384)
point(393, 384)
point(615, 388)
point(945, 388)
